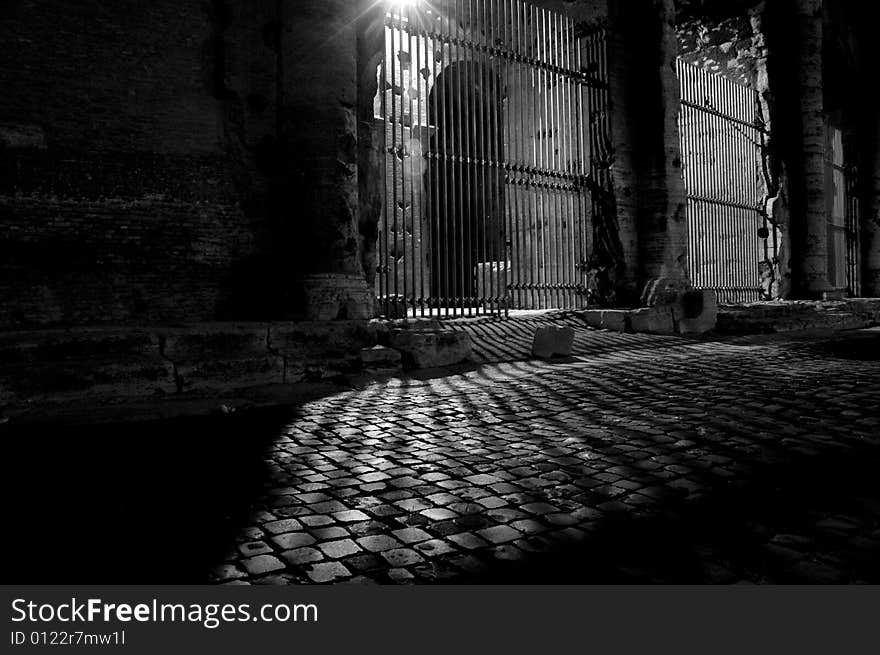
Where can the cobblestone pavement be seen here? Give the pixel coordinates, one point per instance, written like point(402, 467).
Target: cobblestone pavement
point(650, 460)
point(642, 459)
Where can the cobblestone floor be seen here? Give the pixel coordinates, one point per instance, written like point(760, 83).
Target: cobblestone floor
point(642, 459)
point(660, 460)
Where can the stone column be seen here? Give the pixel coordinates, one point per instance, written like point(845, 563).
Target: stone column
point(775, 175)
point(810, 238)
point(871, 222)
point(318, 127)
point(649, 184)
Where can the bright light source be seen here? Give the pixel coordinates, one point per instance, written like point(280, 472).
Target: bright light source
point(404, 3)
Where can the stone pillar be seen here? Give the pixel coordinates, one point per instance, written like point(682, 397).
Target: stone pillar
point(871, 221)
point(623, 65)
point(371, 188)
point(813, 264)
point(318, 127)
point(775, 176)
point(649, 184)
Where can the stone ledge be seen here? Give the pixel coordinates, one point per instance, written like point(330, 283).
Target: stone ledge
point(693, 311)
point(91, 366)
point(788, 316)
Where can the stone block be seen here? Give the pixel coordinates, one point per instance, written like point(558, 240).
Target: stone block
point(653, 320)
point(380, 357)
point(593, 317)
point(616, 320)
point(79, 344)
point(868, 308)
point(423, 348)
point(553, 342)
point(213, 341)
point(325, 339)
point(690, 311)
point(72, 364)
point(226, 373)
point(696, 311)
point(337, 296)
point(221, 356)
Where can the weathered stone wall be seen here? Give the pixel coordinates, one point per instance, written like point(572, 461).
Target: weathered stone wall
point(92, 368)
point(165, 162)
point(132, 138)
point(718, 37)
point(320, 231)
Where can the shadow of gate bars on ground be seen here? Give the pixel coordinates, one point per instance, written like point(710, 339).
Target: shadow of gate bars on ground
point(492, 112)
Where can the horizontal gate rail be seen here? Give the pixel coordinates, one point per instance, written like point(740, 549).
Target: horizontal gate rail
point(414, 29)
point(756, 123)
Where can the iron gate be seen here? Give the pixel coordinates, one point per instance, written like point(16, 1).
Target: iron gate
point(494, 114)
point(732, 245)
point(842, 210)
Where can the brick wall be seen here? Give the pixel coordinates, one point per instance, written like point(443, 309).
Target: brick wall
point(134, 141)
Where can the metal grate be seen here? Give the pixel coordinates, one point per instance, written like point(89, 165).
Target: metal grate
point(842, 211)
point(492, 110)
point(732, 244)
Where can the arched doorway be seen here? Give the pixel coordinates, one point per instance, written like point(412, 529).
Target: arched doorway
point(464, 185)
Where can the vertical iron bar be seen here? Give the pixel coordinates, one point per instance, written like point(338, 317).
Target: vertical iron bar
point(534, 177)
point(424, 151)
point(516, 139)
point(503, 149)
point(495, 225)
point(559, 150)
point(508, 145)
point(553, 145)
point(430, 238)
point(519, 140)
point(462, 146)
point(581, 114)
point(470, 152)
point(542, 129)
point(444, 132)
point(530, 154)
point(394, 158)
point(400, 241)
point(414, 215)
point(382, 268)
point(457, 217)
point(569, 197)
point(478, 27)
